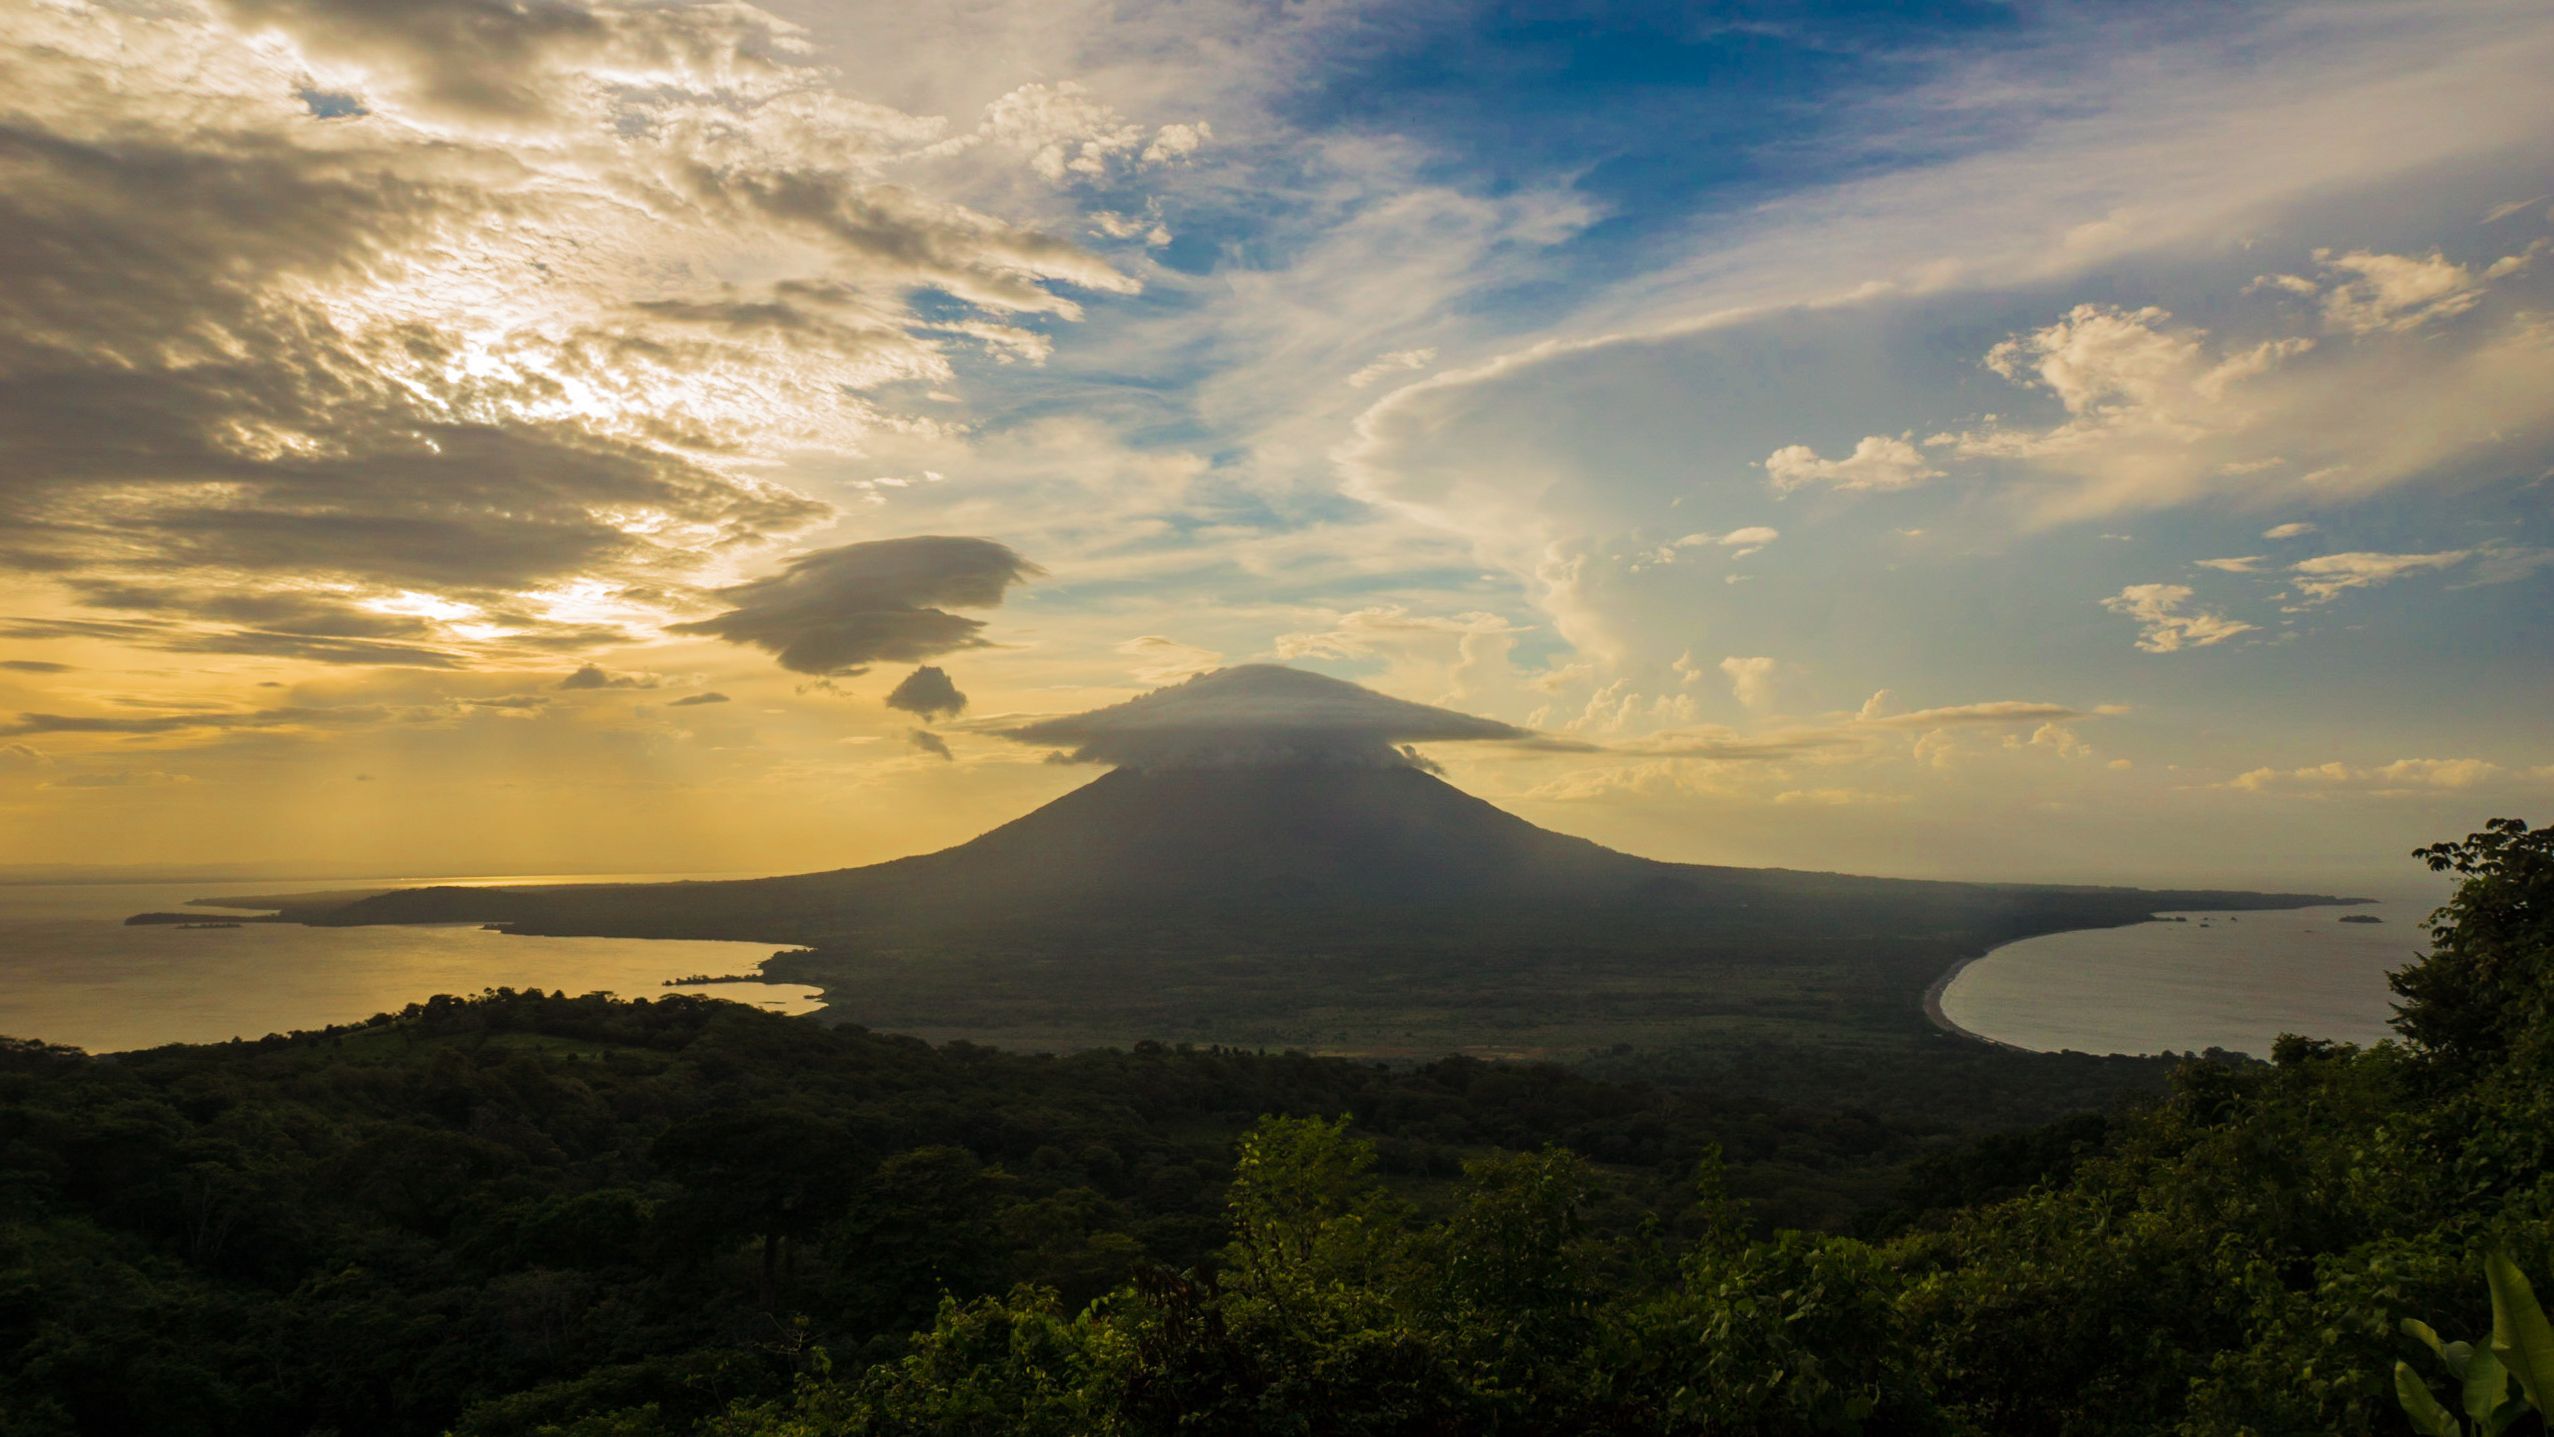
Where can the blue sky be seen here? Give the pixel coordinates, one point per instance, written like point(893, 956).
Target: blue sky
point(2102, 441)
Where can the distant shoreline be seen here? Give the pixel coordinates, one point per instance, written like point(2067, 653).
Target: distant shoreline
point(1933, 992)
point(1933, 1001)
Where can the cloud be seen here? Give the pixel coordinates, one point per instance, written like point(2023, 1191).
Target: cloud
point(591, 676)
point(1161, 659)
point(2239, 564)
point(1398, 362)
point(2321, 580)
point(1149, 229)
point(925, 741)
point(2404, 775)
point(2105, 360)
point(2390, 293)
point(2165, 625)
point(1836, 797)
point(928, 694)
point(34, 666)
point(2057, 738)
point(515, 63)
point(1260, 715)
point(1838, 311)
point(1877, 462)
point(158, 723)
point(1386, 627)
point(2125, 378)
point(121, 778)
point(1740, 542)
point(500, 352)
point(1751, 680)
point(1721, 762)
point(1723, 744)
point(1997, 711)
point(1067, 133)
point(2296, 530)
point(1176, 142)
point(696, 700)
point(837, 611)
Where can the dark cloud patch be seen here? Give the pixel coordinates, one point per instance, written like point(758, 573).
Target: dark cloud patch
point(1259, 715)
point(929, 742)
point(282, 719)
point(696, 700)
point(1727, 746)
point(276, 718)
point(928, 694)
point(34, 666)
point(173, 637)
point(281, 610)
point(120, 778)
point(837, 611)
point(321, 650)
point(594, 676)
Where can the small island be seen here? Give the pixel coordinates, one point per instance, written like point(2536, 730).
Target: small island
point(2361, 918)
point(695, 980)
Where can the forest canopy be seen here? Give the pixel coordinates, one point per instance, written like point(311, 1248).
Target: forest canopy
point(531, 1213)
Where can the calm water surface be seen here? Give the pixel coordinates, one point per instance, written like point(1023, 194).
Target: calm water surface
point(2234, 981)
point(71, 972)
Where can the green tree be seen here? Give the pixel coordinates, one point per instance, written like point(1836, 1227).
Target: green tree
point(2485, 990)
point(772, 1173)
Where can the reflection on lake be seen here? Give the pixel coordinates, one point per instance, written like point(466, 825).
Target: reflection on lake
point(2234, 981)
point(71, 972)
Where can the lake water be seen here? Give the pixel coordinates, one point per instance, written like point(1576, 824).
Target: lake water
point(71, 972)
point(2234, 981)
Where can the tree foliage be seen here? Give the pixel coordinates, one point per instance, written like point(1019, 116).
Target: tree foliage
point(528, 1213)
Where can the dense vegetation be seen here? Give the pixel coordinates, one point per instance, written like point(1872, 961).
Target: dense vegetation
point(530, 1213)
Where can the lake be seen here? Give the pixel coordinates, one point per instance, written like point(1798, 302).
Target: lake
point(71, 972)
point(2224, 980)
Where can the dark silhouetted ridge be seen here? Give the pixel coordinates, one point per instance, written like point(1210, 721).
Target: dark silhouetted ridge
point(1268, 856)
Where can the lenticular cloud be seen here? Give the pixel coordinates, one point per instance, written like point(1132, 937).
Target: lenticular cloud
point(837, 611)
point(1263, 715)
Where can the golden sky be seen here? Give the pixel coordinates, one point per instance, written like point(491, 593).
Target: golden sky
point(438, 437)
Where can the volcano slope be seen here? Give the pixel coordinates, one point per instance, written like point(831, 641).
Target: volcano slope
point(1353, 908)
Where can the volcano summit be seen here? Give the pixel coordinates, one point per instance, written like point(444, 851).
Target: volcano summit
point(1270, 860)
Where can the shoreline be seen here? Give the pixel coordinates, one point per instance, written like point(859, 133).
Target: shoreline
point(1933, 1002)
point(1942, 984)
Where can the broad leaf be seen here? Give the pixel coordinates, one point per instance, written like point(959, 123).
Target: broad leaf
point(2487, 1386)
point(2428, 1417)
point(2521, 1337)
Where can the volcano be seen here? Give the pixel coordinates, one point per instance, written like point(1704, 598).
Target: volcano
point(1229, 869)
point(1183, 845)
point(1265, 849)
